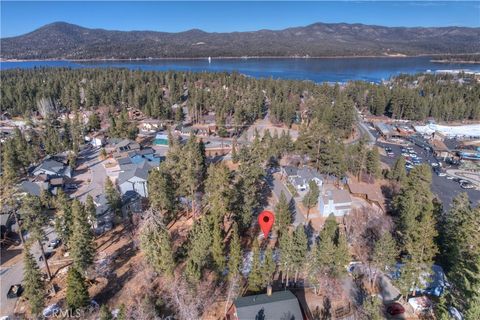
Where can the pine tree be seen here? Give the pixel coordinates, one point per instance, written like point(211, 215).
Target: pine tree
point(461, 249)
point(255, 279)
point(372, 163)
point(161, 192)
point(384, 252)
point(193, 164)
point(77, 291)
point(200, 242)
point(415, 207)
point(105, 313)
point(113, 197)
point(283, 215)
point(156, 244)
point(399, 173)
point(218, 247)
point(299, 249)
point(342, 255)
point(91, 210)
point(82, 246)
point(34, 288)
point(268, 267)
point(372, 308)
point(122, 314)
point(310, 200)
point(64, 219)
point(34, 220)
point(218, 192)
point(235, 256)
point(286, 254)
point(250, 185)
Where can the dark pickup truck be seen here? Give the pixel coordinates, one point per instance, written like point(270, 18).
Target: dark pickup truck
point(15, 291)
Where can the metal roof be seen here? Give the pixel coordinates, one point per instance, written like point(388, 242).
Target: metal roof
point(279, 305)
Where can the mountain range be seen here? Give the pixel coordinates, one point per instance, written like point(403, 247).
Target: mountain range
point(61, 40)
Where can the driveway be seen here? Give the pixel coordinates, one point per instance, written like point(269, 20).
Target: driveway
point(277, 186)
point(95, 173)
point(13, 274)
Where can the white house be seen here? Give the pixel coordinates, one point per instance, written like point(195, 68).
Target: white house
point(134, 177)
point(300, 177)
point(337, 202)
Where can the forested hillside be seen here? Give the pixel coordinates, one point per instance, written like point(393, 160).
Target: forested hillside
point(67, 41)
point(417, 97)
point(239, 100)
point(236, 99)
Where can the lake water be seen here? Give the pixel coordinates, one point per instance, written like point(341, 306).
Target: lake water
point(314, 69)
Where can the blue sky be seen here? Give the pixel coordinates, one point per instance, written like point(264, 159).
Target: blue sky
point(22, 17)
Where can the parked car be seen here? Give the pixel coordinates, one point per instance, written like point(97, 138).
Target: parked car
point(395, 309)
point(54, 243)
point(450, 177)
point(51, 310)
point(467, 185)
point(15, 291)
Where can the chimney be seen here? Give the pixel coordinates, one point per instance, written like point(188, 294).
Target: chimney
point(269, 290)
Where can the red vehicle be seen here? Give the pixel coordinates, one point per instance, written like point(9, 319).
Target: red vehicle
point(395, 309)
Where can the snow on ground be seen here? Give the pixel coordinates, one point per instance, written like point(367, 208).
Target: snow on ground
point(472, 130)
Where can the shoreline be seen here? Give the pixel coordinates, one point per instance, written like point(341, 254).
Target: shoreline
point(240, 58)
point(455, 61)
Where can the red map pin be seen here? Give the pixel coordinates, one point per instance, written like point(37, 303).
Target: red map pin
point(266, 220)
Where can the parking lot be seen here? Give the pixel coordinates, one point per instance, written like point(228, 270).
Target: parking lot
point(442, 187)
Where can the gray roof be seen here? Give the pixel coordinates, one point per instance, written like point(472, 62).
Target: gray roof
point(51, 165)
point(339, 197)
point(123, 161)
point(281, 305)
point(31, 188)
point(290, 171)
point(308, 173)
point(140, 171)
point(126, 145)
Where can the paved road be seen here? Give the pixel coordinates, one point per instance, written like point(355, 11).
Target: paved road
point(14, 275)
point(96, 173)
point(365, 132)
point(277, 186)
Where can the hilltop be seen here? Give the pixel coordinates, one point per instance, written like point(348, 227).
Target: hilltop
point(61, 40)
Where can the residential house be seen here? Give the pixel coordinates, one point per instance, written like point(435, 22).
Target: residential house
point(54, 168)
point(96, 140)
point(150, 125)
point(134, 177)
point(138, 156)
point(336, 202)
point(276, 305)
point(300, 177)
point(119, 146)
point(31, 188)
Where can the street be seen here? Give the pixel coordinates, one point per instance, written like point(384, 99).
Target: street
point(95, 173)
point(13, 274)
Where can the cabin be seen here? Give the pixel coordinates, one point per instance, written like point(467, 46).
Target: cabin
point(272, 305)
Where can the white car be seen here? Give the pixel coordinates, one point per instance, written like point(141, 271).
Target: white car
point(434, 164)
point(442, 174)
point(449, 177)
